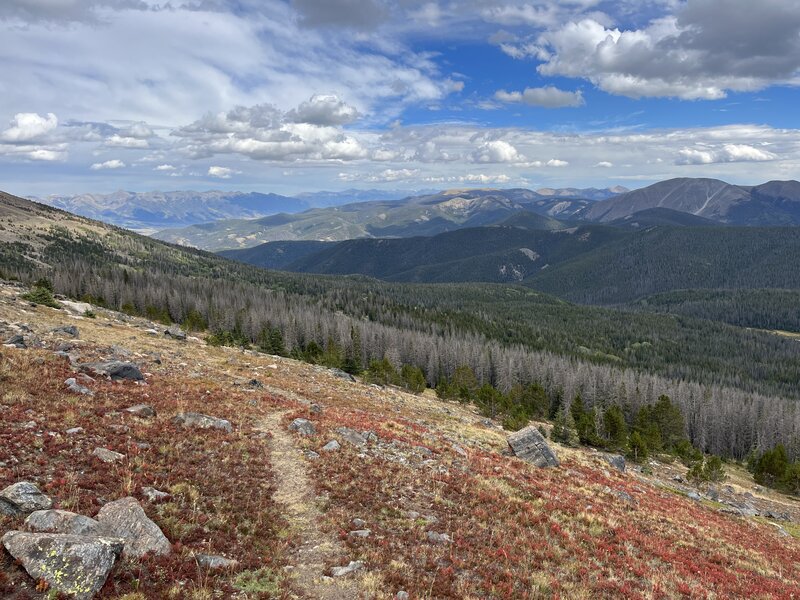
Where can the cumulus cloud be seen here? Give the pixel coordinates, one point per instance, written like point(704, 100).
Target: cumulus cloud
point(109, 164)
point(725, 154)
point(546, 97)
point(604, 164)
point(705, 49)
point(26, 127)
point(221, 172)
point(497, 151)
point(385, 176)
point(323, 109)
point(164, 168)
point(119, 141)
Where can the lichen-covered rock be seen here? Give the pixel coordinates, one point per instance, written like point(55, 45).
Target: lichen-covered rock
point(75, 387)
point(154, 495)
point(352, 567)
point(175, 333)
point(125, 519)
point(351, 436)
point(145, 411)
point(69, 330)
point(303, 427)
point(115, 369)
point(76, 565)
point(529, 445)
point(201, 421)
point(617, 461)
point(62, 521)
point(214, 561)
point(22, 498)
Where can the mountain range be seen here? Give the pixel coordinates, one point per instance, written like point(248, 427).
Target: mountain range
point(688, 202)
point(427, 214)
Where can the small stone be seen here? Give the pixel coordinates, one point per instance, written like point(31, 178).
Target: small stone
point(303, 427)
point(75, 565)
point(311, 455)
point(69, 330)
point(352, 567)
point(62, 521)
point(202, 421)
point(108, 456)
point(74, 430)
point(358, 523)
point(214, 561)
point(351, 436)
point(22, 498)
point(175, 333)
point(616, 460)
point(401, 595)
point(360, 533)
point(331, 446)
point(439, 538)
point(145, 411)
point(77, 388)
point(125, 518)
point(154, 495)
point(693, 496)
point(316, 409)
point(459, 450)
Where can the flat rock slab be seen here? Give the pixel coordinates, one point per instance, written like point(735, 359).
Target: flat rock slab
point(77, 388)
point(352, 567)
point(62, 521)
point(214, 561)
point(201, 421)
point(125, 519)
point(175, 333)
point(145, 411)
point(76, 565)
point(108, 456)
point(529, 445)
point(115, 369)
point(351, 436)
point(22, 498)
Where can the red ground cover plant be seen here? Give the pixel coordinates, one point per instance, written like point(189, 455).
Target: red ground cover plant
point(220, 483)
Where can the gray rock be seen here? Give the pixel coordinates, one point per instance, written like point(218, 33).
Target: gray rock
point(74, 430)
point(115, 369)
point(77, 308)
point(303, 427)
point(351, 436)
point(201, 421)
point(214, 561)
point(145, 411)
point(108, 456)
point(316, 409)
point(154, 495)
point(350, 568)
point(77, 388)
point(69, 330)
point(401, 595)
point(62, 521)
point(359, 523)
point(693, 496)
point(624, 496)
point(616, 460)
point(125, 519)
point(17, 341)
point(459, 450)
point(342, 374)
point(175, 333)
point(331, 446)
point(360, 533)
point(22, 498)
point(311, 455)
point(439, 538)
point(529, 445)
point(75, 565)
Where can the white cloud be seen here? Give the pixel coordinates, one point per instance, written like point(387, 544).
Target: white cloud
point(725, 154)
point(604, 164)
point(497, 151)
point(323, 109)
point(26, 127)
point(164, 168)
point(221, 172)
point(118, 141)
point(385, 176)
point(109, 164)
point(546, 97)
point(45, 155)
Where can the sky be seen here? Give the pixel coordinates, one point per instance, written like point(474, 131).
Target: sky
point(288, 96)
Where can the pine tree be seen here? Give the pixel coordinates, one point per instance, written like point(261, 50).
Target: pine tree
point(564, 428)
point(615, 427)
point(637, 448)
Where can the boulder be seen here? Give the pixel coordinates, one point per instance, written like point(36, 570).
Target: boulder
point(303, 427)
point(342, 374)
point(616, 460)
point(22, 498)
point(75, 565)
point(62, 521)
point(175, 333)
point(76, 308)
point(201, 421)
point(125, 519)
point(439, 538)
point(69, 330)
point(145, 411)
point(114, 369)
point(17, 341)
point(351, 436)
point(77, 388)
point(108, 456)
point(529, 445)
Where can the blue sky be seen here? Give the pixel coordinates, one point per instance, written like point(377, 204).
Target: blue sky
point(302, 95)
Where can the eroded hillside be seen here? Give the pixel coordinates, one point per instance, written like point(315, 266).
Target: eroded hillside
point(416, 495)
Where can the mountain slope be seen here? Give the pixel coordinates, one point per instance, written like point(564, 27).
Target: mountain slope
point(775, 203)
point(276, 255)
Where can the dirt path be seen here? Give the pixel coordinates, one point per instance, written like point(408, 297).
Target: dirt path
point(296, 493)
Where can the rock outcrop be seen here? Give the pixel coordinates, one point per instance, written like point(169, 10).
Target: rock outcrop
point(22, 498)
point(529, 445)
point(125, 519)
